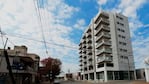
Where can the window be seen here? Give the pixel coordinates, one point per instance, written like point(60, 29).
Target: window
point(121, 36)
point(119, 17)
point(100, 65)
point(120, 23)
point(122, 30)
point(109, 65)
point(122, 43)
point(123, 50)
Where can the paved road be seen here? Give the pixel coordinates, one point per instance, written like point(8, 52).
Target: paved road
point(113, 82)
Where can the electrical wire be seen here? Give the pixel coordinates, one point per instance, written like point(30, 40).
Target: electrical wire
point(41, 24)
point(19, 36)
point(1, 33)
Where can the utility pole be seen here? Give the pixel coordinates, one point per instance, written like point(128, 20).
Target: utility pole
point(9, 67)
point(7, 60)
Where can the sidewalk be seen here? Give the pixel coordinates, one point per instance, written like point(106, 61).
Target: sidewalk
point(139, 82)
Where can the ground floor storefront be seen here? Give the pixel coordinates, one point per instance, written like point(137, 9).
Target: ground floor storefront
point(109, 75)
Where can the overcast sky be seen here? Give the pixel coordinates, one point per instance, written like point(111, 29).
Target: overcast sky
point(63, 23)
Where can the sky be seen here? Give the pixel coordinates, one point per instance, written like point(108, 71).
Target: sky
point(63, 23)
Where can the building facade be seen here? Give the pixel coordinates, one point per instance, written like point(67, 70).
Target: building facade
point(24, 66)
point(105, 49)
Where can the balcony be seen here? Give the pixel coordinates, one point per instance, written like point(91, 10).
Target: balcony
point(84, 46)
point(80, 51)
point(80, 60)
point(101, 15)
point(103, 34)
point(89, 40)
point(89, 46)
point(84, 41)
point(90, 58)
point(89, 30)
point(81, 65)
point(101, 21)
point(104, 50)
point(103, 42)
point(90, 63)
point(84, 51)
point(88, 35)
point(104, 58)
point(89, 53)
point(102, 27)
point(85, 57)
point(80, 56)
point(80, 47)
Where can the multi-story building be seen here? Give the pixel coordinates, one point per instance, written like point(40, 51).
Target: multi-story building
point(24, 66)
point(105, 49)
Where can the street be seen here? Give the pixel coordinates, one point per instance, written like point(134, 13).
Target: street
point(112, 82)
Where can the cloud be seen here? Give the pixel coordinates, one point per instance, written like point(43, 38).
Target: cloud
point(130, 7)
point(140, 48)
point(101, 2)
point(70, 67)
point(80, 24)
point(19, 19)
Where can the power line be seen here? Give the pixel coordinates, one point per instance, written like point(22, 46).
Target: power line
point(19, 36)
point(41, 24)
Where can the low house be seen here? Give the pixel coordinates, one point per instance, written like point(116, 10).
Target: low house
point(24, 66)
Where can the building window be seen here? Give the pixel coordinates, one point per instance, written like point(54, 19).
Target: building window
point(122, 30)
point(109, 65)
point(121, 36)
point(123, 50)
point(120, 23)
point(119, 17)
point(100, 65)
point(122, 43)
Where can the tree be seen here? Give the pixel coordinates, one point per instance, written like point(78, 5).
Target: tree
point(52, 67)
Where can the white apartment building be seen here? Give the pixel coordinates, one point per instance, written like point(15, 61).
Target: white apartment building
point(105, 49)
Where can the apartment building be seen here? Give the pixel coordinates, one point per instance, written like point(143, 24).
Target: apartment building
point(105, 49)
point(24, 66)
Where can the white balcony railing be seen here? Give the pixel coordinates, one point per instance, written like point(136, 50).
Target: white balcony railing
point(104, 59)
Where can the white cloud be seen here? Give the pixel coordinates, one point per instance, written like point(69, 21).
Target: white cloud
point(101, 2)
point(70, 67)
point(140, 47)
point(80, 24)
point(18, 17)
point(130, 7)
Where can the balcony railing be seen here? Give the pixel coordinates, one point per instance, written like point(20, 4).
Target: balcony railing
point(104, 27)
point(102, 20)
point(88, 35)
point(104, 50)
point(104, 59)
point(103, 42)
point(103, 34)
point(90, 63)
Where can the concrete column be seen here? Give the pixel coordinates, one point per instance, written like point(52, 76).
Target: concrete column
point(147, 74)
point(105, 76)
point(84, 76)
point(135, 77)
point(105, 73)
point(89, 76)
point(113, 76)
